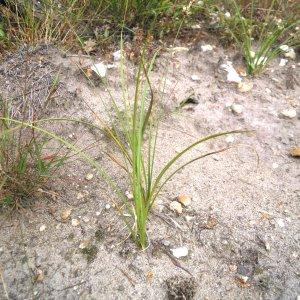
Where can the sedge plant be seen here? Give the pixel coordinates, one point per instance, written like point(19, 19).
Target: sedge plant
point(135, 135)
point(260, 40)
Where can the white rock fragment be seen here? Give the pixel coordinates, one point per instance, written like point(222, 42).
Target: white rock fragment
point(232, 75)
point(275, 165)
point(84, 244)
point(268, 91)
point(176, 207)
point(166, 243)
point(189, 218)
point(243, 279)
point(245, 87)
point(184, 199)
point(100, 69)
point(280, 223)
point(227, 14)
point(283, 62)
point(85, 219)
point(206, 48)
point(290, 54)
point(195, 77)
point(42, 228)
point(65, 214)
point(237, 108)
point(79, 196)
point(117, 55)
point(289, 113)
point(98, 213)
point(89, 176)
point(107, 206)
point(284, 48)
point(229, 139)
point(180, 252)
point(129, 195)
point(75, 222)
point(196, 26)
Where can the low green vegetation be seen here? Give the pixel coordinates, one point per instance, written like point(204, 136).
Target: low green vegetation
point(25, 161)
point(135, 135)
point(262, 31)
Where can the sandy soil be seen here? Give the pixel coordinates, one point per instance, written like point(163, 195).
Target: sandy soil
point(243, 237)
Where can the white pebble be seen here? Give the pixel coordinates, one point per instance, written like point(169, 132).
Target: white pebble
point(206, 48)
point(100, 69)
point(280, 223)
point(229, 139)
point(195, 77)
point(176, 207)
point(75, 222)
point(42, 228)
point(117, 55)
point(289, 113)
point(283, 62)
point(107, 206)
point(232, 75)
point(180, 252)
point(237, 108)
point(275, 165)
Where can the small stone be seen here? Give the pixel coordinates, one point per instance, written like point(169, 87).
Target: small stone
point(227, 14)
point(284, 48)
point(85, 219)
point(166, 243)
point(245, 87)
point(39, 276)
point(80, 196)
point(237, 108)
point(84, 244)
point(268, 91)
point(289, 113)
point(295, 152)
point(100, 69)
point(75, 222)
point(267, 246)
point(290, 54)
point(180, 252)
point(107, 206)
point(42, 228)
point(117, 55)
point(195, 77)
point(65, 214)
point(232, 75)
point(229, 139)
point(283, 62)
point(280, 223)
point(176, 207)
point(206, 48)
point(129, 195)
point(275, 165)
point(189, 218)
point(184, 199)
point(89, 176)
point(98, 213)
point(232, 268)
point(243, 279)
